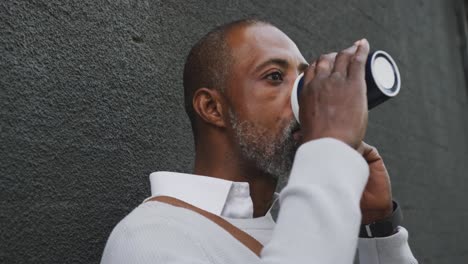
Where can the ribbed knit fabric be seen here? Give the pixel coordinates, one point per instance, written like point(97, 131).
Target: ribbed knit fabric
point(318, 222)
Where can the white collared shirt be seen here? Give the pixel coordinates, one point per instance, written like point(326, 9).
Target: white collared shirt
point(228, 199)
point(217, 196)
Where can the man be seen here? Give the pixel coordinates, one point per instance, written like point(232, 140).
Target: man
point(237, 81)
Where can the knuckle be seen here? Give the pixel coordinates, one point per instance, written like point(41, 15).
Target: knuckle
point(322, 57)
point(337, 76)
point(323, 65)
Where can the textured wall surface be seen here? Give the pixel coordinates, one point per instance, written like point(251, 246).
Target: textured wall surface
point(91, 103)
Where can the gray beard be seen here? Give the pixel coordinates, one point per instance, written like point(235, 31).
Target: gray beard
point(273, 154)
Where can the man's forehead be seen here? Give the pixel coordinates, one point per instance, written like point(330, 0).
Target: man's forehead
point(260, 42)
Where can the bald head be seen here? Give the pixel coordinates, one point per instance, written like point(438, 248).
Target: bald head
point(208, 62)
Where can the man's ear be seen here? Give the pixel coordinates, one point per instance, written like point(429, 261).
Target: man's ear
point(208, 105)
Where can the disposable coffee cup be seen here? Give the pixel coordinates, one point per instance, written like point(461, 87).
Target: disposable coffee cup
point(382, 79)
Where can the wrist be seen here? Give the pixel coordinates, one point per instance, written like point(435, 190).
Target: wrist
point(309, 136)
point(371, 216)
point(384, 227)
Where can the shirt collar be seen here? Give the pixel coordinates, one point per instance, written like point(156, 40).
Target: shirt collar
point(217, 196)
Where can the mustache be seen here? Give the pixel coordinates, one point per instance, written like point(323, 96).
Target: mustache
point(292, 127)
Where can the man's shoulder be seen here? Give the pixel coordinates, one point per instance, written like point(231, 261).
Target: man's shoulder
point(150, 214)
point(158, 217)
point(154, 230)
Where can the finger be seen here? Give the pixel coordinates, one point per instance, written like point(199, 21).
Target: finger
point(343, 58)
point(309, 73)
point(357, 65)
point(370, 153)
point(324, 65)
point(364, 148)
point(361, 148)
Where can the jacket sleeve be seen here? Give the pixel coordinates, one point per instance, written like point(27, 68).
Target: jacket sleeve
point(320, 216)
point(386, 250)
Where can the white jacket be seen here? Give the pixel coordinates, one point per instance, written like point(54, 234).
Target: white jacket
point(318, 221)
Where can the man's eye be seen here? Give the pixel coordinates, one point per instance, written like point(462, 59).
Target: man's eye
point(275, 76)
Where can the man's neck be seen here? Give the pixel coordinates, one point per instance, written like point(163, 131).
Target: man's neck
point(225, 165)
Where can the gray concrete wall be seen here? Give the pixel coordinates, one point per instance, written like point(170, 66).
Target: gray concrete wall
point(91, 103)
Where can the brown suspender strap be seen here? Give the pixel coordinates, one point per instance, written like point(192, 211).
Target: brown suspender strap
point(243, 237)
